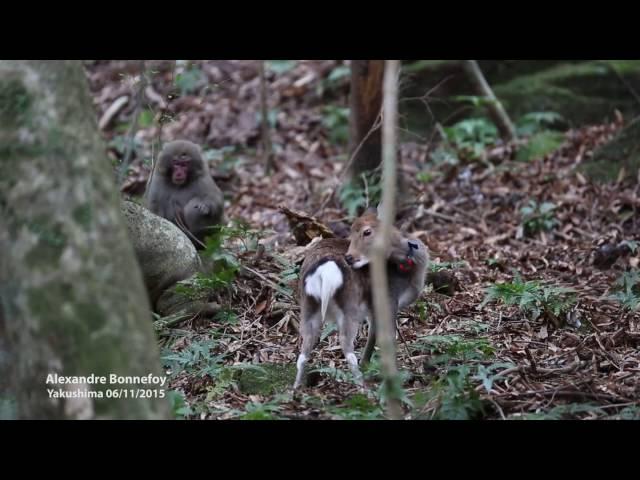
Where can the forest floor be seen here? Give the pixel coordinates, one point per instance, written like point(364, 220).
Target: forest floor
point(553, 342)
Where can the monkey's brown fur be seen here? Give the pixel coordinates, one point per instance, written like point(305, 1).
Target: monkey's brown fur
point(194, 205)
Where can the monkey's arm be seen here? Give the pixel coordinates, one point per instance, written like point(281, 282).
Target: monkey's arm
point(201, 214)
point(408, 271)
point(155, 204)
point(417, 274)
point(208, 206)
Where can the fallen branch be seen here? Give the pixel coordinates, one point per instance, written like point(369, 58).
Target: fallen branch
point(112, 111)
point(565, 393)
point(267, 281)
point(496, 110)
point(134, 125)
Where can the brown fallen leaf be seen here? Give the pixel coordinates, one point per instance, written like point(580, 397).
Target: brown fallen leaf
point(260, 307)
point(543, 334)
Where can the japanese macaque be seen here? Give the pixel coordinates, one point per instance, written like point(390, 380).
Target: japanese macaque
point(182, 191)
point(335, 284)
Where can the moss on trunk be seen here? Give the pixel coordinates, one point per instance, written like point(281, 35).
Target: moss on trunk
point(72, 294)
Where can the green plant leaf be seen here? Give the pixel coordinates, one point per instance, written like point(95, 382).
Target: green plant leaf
point(535, 122)
point(280, 66)
point(191, 80)
point(339, 72)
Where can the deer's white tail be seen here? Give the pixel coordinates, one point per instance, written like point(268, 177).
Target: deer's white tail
point(323, 283)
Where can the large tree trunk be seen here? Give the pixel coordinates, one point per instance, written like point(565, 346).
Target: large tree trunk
point(7, 395)
point(365, 104)
point(73, 298)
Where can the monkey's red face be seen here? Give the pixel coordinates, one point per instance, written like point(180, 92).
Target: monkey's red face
point(180, 171)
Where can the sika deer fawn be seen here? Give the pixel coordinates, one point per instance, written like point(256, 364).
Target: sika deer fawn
point(335, 285)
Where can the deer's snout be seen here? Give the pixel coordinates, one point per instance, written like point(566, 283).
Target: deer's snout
point(349, 259)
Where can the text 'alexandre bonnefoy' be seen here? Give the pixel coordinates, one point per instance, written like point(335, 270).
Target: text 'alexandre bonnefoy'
point(111, 379)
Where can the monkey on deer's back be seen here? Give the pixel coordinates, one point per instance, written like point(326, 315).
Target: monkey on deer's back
point(182, 191)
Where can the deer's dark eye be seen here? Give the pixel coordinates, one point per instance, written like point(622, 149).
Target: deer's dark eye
point(366, 233)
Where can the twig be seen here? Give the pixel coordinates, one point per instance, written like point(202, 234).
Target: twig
point(440, 215)
point(495, 404)
point(160, 324)
point(112, 111)
point(366, 189)
point(267, 154)
point(268, 282)
point(404, 343)
point(534, 367)
point(160, 129)
point(531, 369)
point(454, 113)
point(155, 97)
point(425, 98)
point(377, 124)
point(176, 319)
point(624, 82)
point(347, 165)
point(442, 133)
point(414, 134)
point(448, 218)
point(564, 393)
point(134, 124)
point(497, 111)
point(619, 405)
point(180, 222)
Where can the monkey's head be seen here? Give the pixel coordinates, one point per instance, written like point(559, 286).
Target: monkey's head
point(180, 162)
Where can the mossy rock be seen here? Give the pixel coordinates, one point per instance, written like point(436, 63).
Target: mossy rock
point(496, 71)
point(583, 93)
point(621, 152)
point(8, 409)
point(274, 378)
point(445, 79)
point(539, 145)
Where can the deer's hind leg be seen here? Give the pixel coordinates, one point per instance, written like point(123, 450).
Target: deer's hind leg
point(310, 328)
point(348, 324)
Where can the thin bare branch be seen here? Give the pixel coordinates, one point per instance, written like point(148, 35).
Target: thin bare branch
point(497, 111)
point(134, 123)
point(385, 324)
point(347, 165)
point(267, 152)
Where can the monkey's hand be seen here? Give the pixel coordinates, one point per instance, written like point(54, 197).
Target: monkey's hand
point(399, 253)
point(406, 254)
point(202, 207)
